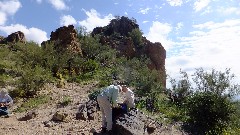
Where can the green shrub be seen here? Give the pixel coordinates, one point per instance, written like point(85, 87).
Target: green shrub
point(31, 82)
point(32, 103)
point(66, 101)
point(209, 112)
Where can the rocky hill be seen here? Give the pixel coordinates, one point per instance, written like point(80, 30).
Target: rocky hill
point(117, 34)
point(74, 117)
point(53, 118)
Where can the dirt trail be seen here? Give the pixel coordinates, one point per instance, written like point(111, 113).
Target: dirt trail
point(36, 126)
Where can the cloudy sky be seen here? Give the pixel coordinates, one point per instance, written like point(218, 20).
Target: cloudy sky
point(195, 33)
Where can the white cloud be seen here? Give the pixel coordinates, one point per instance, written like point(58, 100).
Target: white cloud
point(179, 26)
point(229, 11)
point(211, 45)
point(158, 32)
point(125, 13)
point(31, 34)
point(175, 2)
point(145, 21)
point(94, 20)
point(8, 8)
point(59, 4)
point(144, 11)
point(67, 20)
point(200, 4)
point(39, 1)
point(3, 18)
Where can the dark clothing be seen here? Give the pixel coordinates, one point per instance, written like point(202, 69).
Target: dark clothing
point(3, 111)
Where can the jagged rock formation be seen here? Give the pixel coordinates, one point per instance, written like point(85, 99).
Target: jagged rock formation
point(14, 38)
point(116, 35)
point(64, 38)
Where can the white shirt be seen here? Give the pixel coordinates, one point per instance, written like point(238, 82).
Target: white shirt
point(112, 93)
point(129, 98)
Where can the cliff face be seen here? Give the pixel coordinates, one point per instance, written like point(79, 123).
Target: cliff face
point(117, 35)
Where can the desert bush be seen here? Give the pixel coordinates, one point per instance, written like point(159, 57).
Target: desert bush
point(181, 88)
point(209, 112)
point(32, 103)
point(65, 101)
point(210, 94)
point(218, 82)
point(31, 81)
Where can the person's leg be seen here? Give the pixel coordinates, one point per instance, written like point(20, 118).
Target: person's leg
point(100, 100)
point(108, 113)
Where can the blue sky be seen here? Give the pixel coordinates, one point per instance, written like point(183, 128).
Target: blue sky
point(195, 33)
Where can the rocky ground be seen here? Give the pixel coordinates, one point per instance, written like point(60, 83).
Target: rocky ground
point(43, 120)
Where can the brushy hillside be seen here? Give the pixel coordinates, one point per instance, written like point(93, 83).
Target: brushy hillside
point(25, 68)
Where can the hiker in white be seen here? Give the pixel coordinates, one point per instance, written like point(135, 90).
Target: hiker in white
point(5, 101)
point(105, 98)
point(129, 97)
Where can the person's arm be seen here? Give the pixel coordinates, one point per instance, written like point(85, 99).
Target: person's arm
point(9, 101)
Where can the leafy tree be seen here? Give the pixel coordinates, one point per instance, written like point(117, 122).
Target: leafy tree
point(220, 83)
point(209, 113)
point(181, 88)
point(209, 107)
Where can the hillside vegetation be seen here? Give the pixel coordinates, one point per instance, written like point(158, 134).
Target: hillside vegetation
point(202, 106)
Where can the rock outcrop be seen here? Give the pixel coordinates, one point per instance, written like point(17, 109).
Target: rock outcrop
point(116, 35)
point(13, 38)
point(64, 38)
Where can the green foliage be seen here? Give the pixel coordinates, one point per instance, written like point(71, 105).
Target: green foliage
point(93, 95)
point(29, 55)
point(32, 103)
point(82, 32)
point(141, 104)
point(181, 89)
point(220, 83)
point(66, 101)
point(61, 81)
point(210, 95)
point(31, 82)
point(234, 125)
point(136, 36)
point(209, 112)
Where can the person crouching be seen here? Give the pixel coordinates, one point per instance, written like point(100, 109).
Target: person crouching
point(5, 102)
point(107, 100)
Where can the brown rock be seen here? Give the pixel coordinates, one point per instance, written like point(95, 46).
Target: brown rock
point(60, 116)
point(64, 38)
point(16, 37)
point(29, 115)
point(116, 35)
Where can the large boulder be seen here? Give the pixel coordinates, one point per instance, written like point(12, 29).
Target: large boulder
point(64, 38)
point(14, 38)
point(134, 123)
point(86, 111)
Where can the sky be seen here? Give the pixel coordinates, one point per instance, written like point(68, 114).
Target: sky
point(194, 33)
